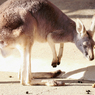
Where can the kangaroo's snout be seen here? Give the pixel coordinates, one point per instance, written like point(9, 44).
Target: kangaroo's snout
point(89, 56)
point(91, 59)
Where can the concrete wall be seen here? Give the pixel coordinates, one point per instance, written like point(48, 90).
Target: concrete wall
point(73, 63)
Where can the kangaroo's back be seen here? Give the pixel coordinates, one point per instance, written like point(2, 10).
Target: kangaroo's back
point(49, 19)
point(47, 16)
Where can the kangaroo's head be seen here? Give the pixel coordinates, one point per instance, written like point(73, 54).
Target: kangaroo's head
point(84, 41)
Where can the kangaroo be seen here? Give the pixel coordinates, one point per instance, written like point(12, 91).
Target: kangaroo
point(24, 21)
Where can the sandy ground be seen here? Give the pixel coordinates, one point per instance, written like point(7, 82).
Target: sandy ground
point(73, 62)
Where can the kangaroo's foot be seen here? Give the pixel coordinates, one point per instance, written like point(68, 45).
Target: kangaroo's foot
point(55, 63)
point(55, 83)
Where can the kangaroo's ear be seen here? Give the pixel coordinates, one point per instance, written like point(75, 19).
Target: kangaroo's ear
point(80, 28)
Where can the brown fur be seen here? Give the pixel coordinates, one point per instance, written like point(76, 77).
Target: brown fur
point(23, 21)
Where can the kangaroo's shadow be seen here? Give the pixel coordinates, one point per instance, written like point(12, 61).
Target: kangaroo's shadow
point(89, 73)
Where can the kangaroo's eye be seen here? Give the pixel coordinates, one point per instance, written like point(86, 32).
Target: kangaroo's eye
point(85, 46)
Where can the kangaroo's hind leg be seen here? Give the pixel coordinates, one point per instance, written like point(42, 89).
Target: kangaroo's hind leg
point(25, 71)
point(24, 45)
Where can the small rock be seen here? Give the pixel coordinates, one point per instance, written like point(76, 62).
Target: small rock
point(10, 76)
point(88, 91)
point(93, 85)
point(26, 92)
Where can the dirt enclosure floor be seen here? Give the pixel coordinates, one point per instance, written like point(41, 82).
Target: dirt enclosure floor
point(75, 66)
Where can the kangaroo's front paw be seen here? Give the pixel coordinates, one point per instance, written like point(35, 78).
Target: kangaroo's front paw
point(54, 64)
point(58, 63)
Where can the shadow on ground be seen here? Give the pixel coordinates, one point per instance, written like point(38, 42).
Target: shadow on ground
point(88, 72)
